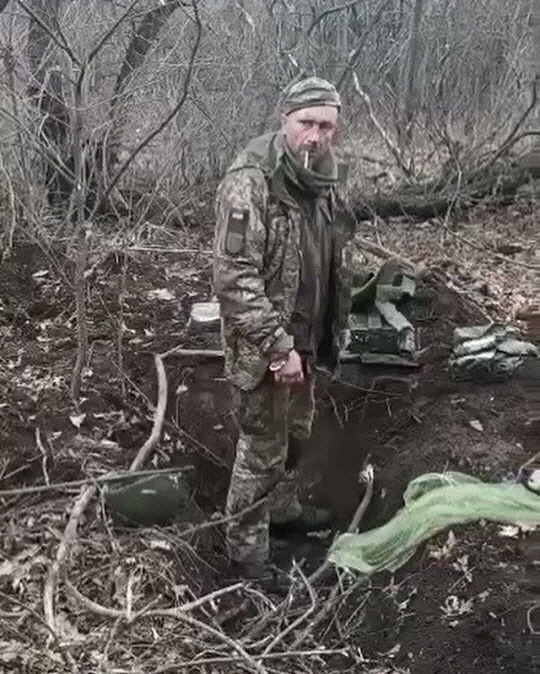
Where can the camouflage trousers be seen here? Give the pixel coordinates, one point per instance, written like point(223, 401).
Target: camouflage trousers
point(269, 417)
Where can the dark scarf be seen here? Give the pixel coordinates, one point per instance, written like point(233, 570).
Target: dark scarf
point(314, 182)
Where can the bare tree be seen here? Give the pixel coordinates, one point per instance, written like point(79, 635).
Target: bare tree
point(532, 160)
point(60, 90)
point(408, 74)
point(443, 66)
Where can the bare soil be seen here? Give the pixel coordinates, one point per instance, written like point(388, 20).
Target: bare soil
point(468, 602)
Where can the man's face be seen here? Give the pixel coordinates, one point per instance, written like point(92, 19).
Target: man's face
point(310, 130)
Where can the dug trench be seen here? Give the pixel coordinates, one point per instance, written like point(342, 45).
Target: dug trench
point(466, 603)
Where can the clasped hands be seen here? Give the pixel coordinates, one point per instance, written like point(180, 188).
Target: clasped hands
point(288, 369)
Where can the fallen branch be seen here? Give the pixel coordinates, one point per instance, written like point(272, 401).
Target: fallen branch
point(381, 251)
point(149, 613)
point(221, 520)
point(88, 493)
point(530, 625)
point(530, 461)
point(197, 353)
point(178, 614)
point(366, 476)
point(277, 639)
point(70, 532)
point(159, 416)
point(66, 655)
point(153, 249)
point(325, 610)
point(246, 657)
point(61, 486)
point(315, 653)
point(497, 256)
point(423, 202)
point(41, 448)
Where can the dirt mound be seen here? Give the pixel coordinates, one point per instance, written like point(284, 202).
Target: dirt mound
point(165, 599)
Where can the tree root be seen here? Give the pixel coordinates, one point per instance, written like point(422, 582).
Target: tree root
point(87, 494)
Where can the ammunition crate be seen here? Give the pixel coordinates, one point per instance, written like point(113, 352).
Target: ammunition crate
point(369, 332)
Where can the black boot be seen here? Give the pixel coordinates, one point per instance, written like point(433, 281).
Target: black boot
point(311, 518)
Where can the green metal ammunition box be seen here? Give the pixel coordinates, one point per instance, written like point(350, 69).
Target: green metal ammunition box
point(370, 332)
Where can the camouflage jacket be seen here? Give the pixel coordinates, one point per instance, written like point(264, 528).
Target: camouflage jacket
point(257, 262)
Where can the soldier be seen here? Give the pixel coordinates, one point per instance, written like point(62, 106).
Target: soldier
point(280, 232)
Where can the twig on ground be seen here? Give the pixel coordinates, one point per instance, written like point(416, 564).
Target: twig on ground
point(221, 520)
point(179, 613)
point(159, 416)
point(315, 653)
point(108, 477)
point(367, 475)
point(147, 612)
point(66, 656)
point(88, 493)
point(44, 455)
point(152, 249)
point(200, 353)
point(278, 638)
point(246, 657)
point(329, 602)
point(497, 256)
point(382, 252)
point(527, 463)
point(70, 532)
point(173, 424)
point(325, 609)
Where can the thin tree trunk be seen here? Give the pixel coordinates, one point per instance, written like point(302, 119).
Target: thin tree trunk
point(534, 70)
point(145, 37)
point(82, 232)
point(408, 97)
point(46, 92)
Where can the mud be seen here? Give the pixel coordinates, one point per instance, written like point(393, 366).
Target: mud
point(463, 608)
point(407, 423)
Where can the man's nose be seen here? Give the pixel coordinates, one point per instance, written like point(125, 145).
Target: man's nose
point(313, 136)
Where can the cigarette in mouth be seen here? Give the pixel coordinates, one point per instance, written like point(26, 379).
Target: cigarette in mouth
point(306, 158)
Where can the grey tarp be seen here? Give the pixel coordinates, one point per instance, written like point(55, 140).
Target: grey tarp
point(433, 502)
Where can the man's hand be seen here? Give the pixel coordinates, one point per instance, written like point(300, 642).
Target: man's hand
point(291, 371)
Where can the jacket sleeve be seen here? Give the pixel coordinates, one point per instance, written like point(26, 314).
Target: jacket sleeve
point(239, 246)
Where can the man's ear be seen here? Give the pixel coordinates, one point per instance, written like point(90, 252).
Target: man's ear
point(283, 119)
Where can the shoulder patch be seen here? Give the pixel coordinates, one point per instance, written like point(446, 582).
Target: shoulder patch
point(237, 223)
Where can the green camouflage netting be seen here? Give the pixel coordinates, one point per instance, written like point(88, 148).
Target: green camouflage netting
point(433, 502)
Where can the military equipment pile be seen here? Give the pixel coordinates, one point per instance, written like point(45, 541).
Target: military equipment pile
point(488, 353)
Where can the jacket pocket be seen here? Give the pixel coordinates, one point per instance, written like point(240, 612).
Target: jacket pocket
point(248, 365)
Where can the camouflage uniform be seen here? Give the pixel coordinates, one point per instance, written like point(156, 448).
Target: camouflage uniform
point(256, 277)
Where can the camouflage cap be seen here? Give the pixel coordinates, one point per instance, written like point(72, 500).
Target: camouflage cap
point(309, 93)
